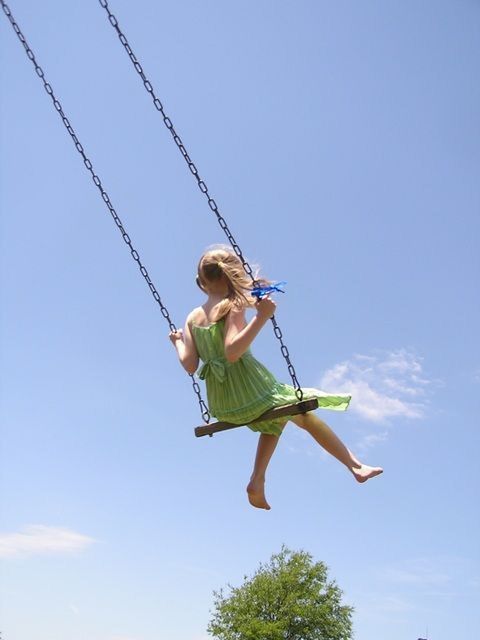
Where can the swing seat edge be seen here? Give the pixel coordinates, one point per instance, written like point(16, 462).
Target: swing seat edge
point(303, 406)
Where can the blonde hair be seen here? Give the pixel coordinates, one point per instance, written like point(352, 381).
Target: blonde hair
point(222, 261)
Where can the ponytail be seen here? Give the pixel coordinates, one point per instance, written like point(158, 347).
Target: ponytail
point(223, 262)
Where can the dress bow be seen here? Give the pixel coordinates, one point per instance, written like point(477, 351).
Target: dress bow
point(216, 367)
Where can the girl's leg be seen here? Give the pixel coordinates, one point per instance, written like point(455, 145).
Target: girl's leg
point(325, 437)
point(256, 487)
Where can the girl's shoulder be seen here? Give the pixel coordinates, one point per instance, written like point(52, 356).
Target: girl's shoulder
point(201, 317)
point(196, 316)
point(235, 319)
point(206, 316)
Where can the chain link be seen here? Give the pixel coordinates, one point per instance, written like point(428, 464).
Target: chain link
point(89, 166)
point(200, 182)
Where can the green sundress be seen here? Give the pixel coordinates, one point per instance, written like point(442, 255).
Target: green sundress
point(241, 391)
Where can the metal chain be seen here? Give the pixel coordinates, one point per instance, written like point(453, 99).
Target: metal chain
point(201, 183)
point(89, 166)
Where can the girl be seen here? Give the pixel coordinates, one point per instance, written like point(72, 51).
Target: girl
point(239, 388)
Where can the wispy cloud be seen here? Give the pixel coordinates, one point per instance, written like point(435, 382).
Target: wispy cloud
point(384, 386)
point(384, 604)
point(371, 439)
point(384, 607)
point(421, 575)
point(298, 441)
point(42, 540)
point(437, 577)
point(474, 582)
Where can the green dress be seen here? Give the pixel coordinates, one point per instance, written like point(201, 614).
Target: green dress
point(241, 391)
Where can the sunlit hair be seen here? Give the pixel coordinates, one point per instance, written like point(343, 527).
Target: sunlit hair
point(222, 261)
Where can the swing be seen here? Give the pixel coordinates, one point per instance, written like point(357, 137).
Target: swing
point(277, 412)
point(302, 406)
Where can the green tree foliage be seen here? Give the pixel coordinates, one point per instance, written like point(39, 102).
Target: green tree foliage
point(288, 598)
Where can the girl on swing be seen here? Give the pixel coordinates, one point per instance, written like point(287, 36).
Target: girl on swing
point(239, 388)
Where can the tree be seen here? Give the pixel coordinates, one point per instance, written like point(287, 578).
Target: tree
point(288, 598)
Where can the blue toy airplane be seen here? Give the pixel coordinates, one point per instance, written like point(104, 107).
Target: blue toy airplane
point(261, 292)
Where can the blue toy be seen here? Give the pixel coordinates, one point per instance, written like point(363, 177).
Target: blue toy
point(261, 292)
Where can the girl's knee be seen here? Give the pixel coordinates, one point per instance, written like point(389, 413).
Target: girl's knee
point(302, 420)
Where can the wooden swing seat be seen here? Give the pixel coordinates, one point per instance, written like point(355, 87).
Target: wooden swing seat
point(278, 412)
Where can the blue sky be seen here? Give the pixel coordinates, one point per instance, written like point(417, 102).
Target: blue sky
point(342, 143)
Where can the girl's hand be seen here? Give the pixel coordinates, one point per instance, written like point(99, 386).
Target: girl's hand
point(265, 308)
point(175, 336)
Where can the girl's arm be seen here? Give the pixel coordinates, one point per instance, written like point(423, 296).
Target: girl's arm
point(239, 335)
point(186, 349)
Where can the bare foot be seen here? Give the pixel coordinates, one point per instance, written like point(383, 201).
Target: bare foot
point(364, 472)
point(256, 494)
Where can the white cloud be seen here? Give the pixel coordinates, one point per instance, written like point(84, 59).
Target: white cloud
point(371, 439)
point(392, 604)
point(383, 606)
point(421, 572)
point(383, 386)
point(474, 582)
point(41, 540)
point(421, 576)
point(299, 442)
